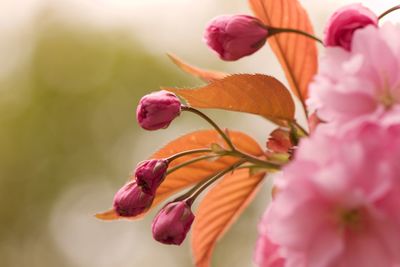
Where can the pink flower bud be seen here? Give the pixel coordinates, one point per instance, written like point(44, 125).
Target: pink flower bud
point(172, 223)
point(344, 22)
point(130, 200)
point(279, 141)
point(157, 110)
point(150, 173)
point(235, 36)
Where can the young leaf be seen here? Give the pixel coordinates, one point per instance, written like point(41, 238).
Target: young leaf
point(198, 171)
point(108, 215)
point(296, 53)
point(257, 94)
point(205, 75)
point(218, 211)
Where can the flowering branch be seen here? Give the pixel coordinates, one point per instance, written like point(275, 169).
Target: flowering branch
point(309, 188)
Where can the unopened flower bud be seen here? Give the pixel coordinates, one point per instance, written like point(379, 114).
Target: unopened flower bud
point(344, 22)
point(172, 223)
point(279, 141)
point(150, 173)
point(157, 110)
point(130, 200)
point(235, 36)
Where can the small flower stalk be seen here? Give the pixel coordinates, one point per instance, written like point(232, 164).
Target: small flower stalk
point(157, 110)
point(172, 223)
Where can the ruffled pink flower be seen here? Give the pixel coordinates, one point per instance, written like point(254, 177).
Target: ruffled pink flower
point(344, 22)
point(235, 36)
point(360, 83)
point(339, 201)
point(157, 110)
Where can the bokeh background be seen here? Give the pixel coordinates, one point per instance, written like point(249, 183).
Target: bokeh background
point(71, 74)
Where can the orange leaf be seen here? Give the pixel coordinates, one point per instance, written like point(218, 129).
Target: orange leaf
point(257, 94)
point(205, 75)
point(196, 172)
point(108, 215)
point(218, 211)
point(296, 53)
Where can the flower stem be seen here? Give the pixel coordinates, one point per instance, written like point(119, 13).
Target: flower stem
point(257, 161)
point(171, 170)
point(304, 131)
point(273, 31)
point(208, 182)
point(188, 152)
point(210, 121)
point(192, 190)
point(234, 153)
point(389, 11)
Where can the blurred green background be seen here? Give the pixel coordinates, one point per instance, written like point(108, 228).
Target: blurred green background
point(71, 74)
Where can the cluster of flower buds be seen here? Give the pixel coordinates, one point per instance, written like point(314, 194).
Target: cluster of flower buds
point(155, 111)
point(137, 195)
point(171, 224)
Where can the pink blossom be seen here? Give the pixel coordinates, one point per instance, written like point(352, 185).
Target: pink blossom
point(157, 110)
point(235, 36)
point(362, 83)
point(267, 253)
point(150, 173)
point(130, 200)
point(172, 223)
point(339, 200)
point(344, 22)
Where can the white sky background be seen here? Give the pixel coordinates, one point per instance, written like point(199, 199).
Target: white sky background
point(162, 26)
